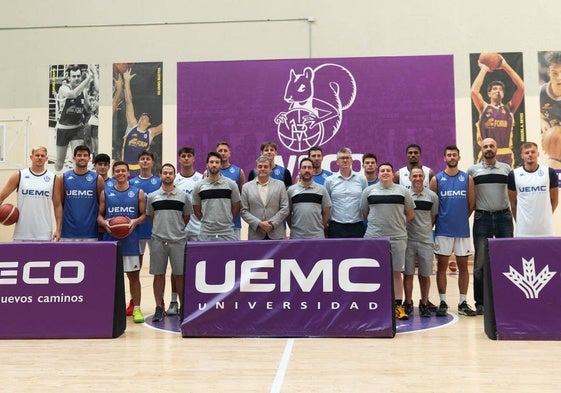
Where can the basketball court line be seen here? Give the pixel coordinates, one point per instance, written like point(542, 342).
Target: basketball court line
point(281, 371)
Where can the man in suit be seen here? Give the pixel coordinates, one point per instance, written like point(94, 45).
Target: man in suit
point(264, 203)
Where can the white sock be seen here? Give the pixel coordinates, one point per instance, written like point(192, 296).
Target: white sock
point(463, 298)
point(442, 297)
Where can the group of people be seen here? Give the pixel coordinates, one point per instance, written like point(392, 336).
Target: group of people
point(404, 205)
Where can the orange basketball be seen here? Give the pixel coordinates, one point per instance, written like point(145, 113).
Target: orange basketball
point(9, 214)
point(491, 60)
point(119, 227)
point(121, 67)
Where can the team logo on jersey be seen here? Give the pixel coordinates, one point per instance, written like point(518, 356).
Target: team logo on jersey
point(89, 177)
point(154, 180)
point(461, 178)
point(529, 283)
point(47, 179)
point(130, 194)
point(231, 170)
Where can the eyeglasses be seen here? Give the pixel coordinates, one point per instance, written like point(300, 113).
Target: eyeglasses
point(344, 158)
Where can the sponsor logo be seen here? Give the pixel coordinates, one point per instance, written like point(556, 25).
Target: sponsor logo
point(39, 193)
point(42, 272)
point(528, 282)
point(254, 276)
point(532, 189)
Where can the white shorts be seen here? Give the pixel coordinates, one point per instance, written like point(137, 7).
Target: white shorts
point(444, 245)
point(131, 263)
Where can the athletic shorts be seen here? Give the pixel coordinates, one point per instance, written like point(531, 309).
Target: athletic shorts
point(397, 248)
point(65, 135)
point(161, 251)
point(131, 263)
point(444, 245)
point(142, 245)
point(423, 252)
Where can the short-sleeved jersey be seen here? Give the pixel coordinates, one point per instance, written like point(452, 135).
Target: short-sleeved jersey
point(490, 185)
point(233, 173)
point(386, 210)
point(168, 210)
point(306, 210)
point(35, 197)
point(80, 209)
point(187, 184)
point(426, 207)
point(453, 209)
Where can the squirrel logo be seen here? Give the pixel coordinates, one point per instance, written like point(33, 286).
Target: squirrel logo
point(317, 99)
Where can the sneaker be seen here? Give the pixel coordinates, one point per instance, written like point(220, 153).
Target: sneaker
point(173, 308)
point(432, 307)
point(158, 315)
point(130, 307)
point(424, 310)
point(399, 313)
point(442, 309)
point(465, 309)
point(479, 310)
point(408, 308)
point(137, 316)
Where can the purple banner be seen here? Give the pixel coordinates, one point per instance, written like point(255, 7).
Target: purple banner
point(296, 288)
point(57, 290)
point(526, 282)
point(378, 104)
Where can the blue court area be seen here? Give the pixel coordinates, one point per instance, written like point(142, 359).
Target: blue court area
point(172, 324)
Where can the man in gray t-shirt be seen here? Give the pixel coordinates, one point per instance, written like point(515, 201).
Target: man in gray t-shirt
point(388, 206)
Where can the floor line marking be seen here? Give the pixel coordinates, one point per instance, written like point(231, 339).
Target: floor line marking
point(279, 378)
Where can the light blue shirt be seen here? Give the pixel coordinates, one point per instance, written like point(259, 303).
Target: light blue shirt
point(345, 196)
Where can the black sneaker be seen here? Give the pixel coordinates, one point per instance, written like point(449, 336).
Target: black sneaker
point(424, 310)
point(158, 314)
point(465, 309)
point(432, 307)
point(408, 308)
point(442, 309)
point(479, 310)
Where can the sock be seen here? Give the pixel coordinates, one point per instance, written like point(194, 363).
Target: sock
point(174, 296)
point(442, 297)
point(463, 298)
point(136, 307)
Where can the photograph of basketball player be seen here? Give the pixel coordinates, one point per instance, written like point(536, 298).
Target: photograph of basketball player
point(72, 90)
point(550, 106)
point(497, 94)
point(137, 113)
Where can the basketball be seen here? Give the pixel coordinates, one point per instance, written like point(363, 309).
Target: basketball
point(9, 214)
point(121, 67)
point(491, 60)
point(453, 266)
point(119, 227)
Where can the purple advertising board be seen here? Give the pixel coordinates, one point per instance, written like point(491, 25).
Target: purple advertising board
point(526, 282)
point(295, 288)
point(372, 104)
point(52, 290)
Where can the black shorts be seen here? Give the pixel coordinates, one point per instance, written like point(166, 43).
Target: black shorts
point(65, 135)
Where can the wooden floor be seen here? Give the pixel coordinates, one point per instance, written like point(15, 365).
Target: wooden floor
point(455, 358)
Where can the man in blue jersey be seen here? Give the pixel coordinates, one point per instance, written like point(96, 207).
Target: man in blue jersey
point(456, 198)
point(269, 149)
point(315, 153)
point(139, 133)
point(234, 173)
point(79, 190)
point(123, 199)
point(148, 183)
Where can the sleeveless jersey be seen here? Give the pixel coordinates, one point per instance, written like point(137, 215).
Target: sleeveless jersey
point(453, 208)
point(187, 184)
point(550, 107)
point(71, 111)
point(404, 177)
point(496, 122)
point(123, 203)
point(79, 219)
point(534, 216)
point(148, 185)
point(135, 142)
point(35, 194)
point(233, 173)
